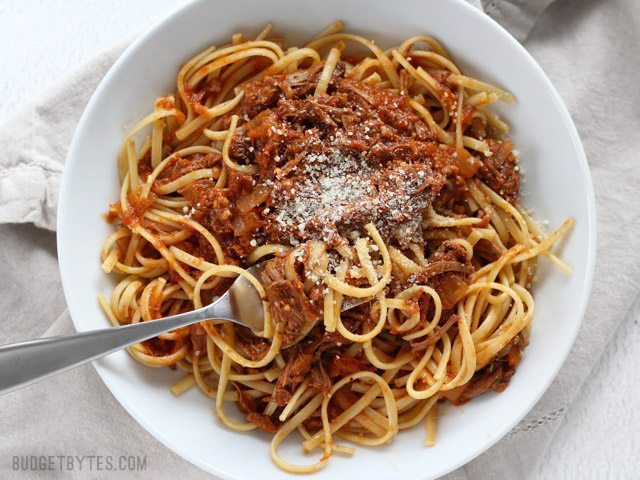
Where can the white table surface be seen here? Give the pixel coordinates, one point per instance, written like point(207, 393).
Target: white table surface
point(41, 41)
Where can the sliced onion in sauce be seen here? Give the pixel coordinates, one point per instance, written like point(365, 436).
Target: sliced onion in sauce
point(467, 163)
point(451, 289)
point(256, 197)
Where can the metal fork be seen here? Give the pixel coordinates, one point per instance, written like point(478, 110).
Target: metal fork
point(24, 363)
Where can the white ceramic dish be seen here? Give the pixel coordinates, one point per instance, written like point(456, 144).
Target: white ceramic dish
point(557, 185)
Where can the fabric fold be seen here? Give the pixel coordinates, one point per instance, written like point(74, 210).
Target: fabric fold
point(517, 16)
point(29, 194)
point(34, 144)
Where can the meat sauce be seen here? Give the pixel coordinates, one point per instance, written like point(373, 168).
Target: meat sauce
point(332, 163)
point(327, 166)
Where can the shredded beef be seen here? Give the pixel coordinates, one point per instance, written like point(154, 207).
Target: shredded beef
point(500, 170)
point(495, 376)
point(301, 359)
point(262, 421)
point(488, 250)
point(314, 422)
point(447, 272)
point(298, 365)
point(266, 92)
point(206, 90)
point(376, 130)
point(319, 379)
point(289, 305)
point(253, 347)
point(179, 166)
point(343, 365)
point(216, 210)
point(419, 346)
point(248, 406)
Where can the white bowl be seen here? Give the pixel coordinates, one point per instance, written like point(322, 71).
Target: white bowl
point(557, 184)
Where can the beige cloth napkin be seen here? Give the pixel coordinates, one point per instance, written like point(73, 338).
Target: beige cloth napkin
point(588, 48)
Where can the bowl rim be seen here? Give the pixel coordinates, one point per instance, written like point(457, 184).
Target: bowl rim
point(479, 16)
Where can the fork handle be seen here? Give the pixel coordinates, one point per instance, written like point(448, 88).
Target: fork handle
point(25, 363)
